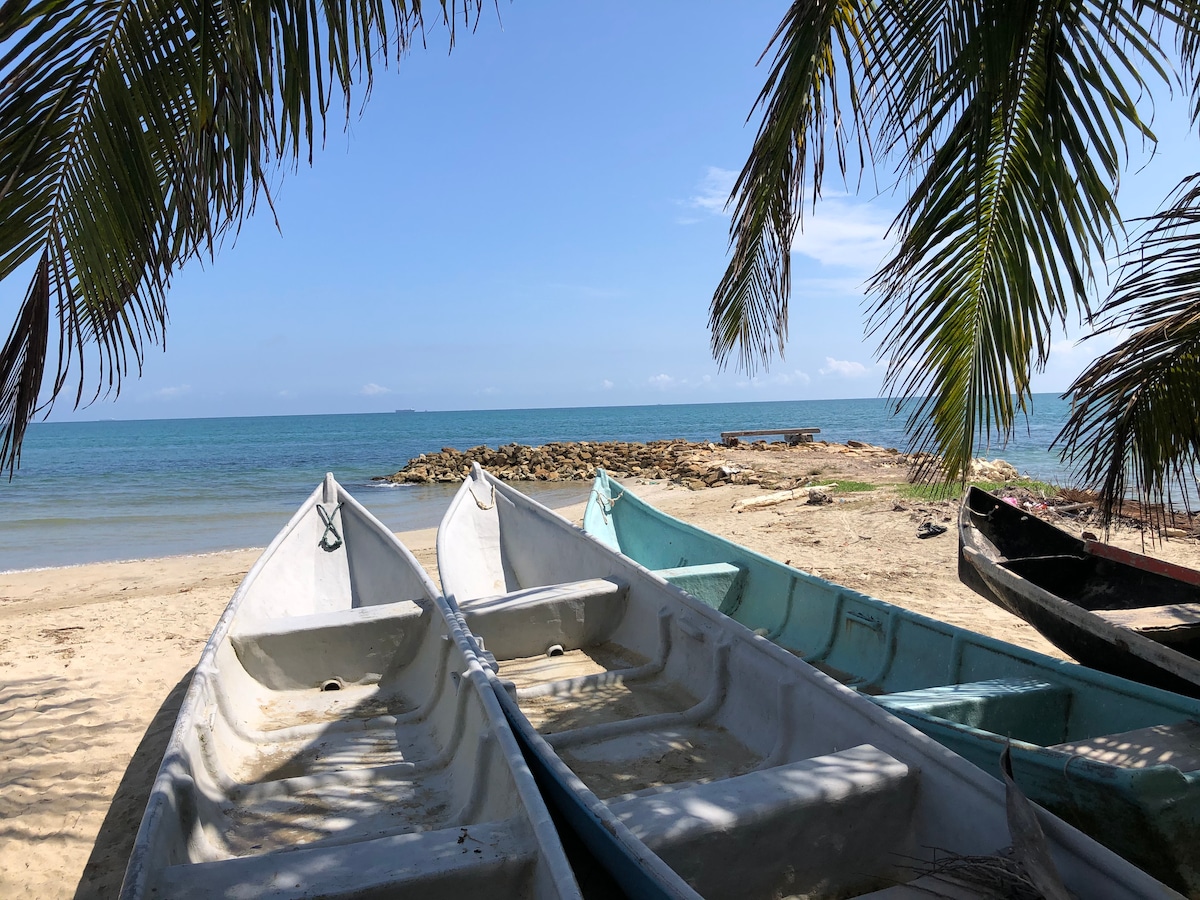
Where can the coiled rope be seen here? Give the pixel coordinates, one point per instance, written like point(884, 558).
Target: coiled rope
point(327, 517)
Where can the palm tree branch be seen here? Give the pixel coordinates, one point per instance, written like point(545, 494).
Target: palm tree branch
point(996, 236)
point(807, 88)
point(1136, 416)
point(134, 134)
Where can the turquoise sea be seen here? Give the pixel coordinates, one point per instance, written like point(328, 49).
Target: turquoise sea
point(91, 491)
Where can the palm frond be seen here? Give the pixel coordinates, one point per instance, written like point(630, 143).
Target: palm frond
point(811, 91)
point(134, 134)
point(1018, 143)
point(1136, 416)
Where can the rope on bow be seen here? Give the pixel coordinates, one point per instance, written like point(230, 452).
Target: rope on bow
point(607, 503)
point(327, 517)
point(479, 503)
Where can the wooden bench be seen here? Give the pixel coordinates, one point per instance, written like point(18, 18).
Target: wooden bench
point(792, 435)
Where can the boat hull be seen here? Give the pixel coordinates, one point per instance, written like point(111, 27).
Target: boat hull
point(711, 761)
point(1048, 578)
point(965, 690)
point(336, 740)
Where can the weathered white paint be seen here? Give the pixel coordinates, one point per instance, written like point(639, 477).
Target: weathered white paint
point(404, 782)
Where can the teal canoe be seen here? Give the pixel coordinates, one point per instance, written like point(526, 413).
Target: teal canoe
point(1117, 759)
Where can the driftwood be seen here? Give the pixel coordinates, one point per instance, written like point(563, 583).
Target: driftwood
point(1071, 507)
point(800, 493)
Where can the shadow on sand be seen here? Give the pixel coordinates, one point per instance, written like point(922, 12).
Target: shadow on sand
point(106, 865)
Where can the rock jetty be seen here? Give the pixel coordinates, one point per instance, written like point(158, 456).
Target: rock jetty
point(695, 464)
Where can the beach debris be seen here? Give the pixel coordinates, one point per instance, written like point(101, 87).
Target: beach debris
point(817, 496)
point(1028, 840)
point(800, 493)
point(928, 530)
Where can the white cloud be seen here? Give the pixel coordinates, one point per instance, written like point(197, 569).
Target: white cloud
point(852, 285)
point(489, 391)
point(712, 194)
point(169, 392)
point(374, 390)
point(844, 368)
point(606, 384)
point(665, 382)
point(842, 232)
point(776, 379)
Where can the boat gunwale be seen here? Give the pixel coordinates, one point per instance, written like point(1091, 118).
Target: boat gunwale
point(1068, 840)
point(531, 805)
point(976, 548)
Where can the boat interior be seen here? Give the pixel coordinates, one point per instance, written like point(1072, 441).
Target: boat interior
point(1156, 605)
point(337, 742)
point(912, 664)
point(706, 742)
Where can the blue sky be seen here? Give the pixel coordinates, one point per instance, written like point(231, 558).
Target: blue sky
point(532, 220)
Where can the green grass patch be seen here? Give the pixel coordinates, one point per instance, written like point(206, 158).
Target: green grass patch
point(929, 491)
point(952, 491)
point(850, 487)
point(1038, 487)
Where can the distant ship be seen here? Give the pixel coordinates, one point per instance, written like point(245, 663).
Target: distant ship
point(405, 410)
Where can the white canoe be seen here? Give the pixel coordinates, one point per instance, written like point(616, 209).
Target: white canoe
point(338, 741)
point(694, 757)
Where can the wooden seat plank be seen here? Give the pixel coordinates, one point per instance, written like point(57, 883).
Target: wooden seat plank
point(1175, 745)
point(1154, 618)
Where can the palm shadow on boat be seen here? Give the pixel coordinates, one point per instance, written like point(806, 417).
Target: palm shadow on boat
point(105, 867)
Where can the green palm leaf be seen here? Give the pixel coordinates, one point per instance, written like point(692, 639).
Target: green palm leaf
point(1137, 413)
point(1010, 121)
point(134, 134)
point(813, 78)
point(1017, 198)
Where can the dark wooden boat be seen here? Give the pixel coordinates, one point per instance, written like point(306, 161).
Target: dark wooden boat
point(1110, 609)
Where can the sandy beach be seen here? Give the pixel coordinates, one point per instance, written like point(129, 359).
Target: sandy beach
point(94, 659)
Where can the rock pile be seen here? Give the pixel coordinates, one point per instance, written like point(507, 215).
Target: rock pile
point(693, 464)
point(993, 470)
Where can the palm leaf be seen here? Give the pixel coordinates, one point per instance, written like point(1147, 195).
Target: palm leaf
point(1136, 418)
point(1010, 121)
point(812, 80)
point(1025, 133)
point(134, 134)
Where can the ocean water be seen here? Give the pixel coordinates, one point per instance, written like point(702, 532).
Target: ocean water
point(93, 491)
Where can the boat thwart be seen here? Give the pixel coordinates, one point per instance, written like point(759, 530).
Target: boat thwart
point(1117, 759)
point(336, 741)
point(696, 758)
